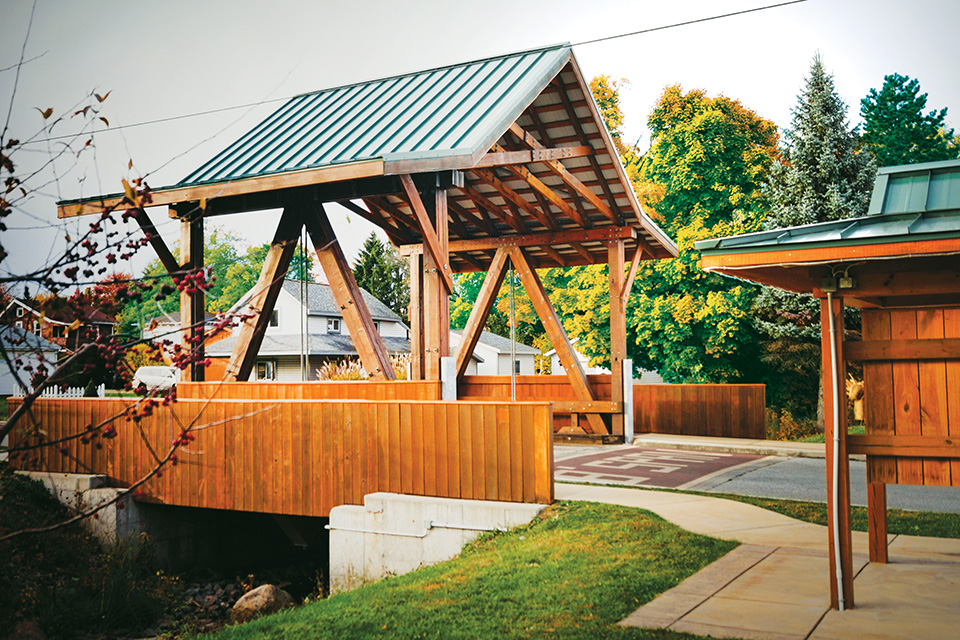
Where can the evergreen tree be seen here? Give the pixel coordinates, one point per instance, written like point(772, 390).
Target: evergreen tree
point(384, 274)
point(824, 174)
point(896, 129)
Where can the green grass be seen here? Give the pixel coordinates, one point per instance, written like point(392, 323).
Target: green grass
point(4, 408)
point(911, 523)
point(853, 430)
point(572, 573)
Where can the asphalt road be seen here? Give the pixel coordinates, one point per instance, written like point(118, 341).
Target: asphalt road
point(769, 477)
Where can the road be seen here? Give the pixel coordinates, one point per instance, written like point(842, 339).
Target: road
point(741, 474)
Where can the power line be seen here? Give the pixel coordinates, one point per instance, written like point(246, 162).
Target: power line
point(275, 100)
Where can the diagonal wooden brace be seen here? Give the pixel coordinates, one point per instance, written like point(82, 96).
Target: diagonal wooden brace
point(558, 336)
point(481, 309)
point(430, 239)
point(356, 314)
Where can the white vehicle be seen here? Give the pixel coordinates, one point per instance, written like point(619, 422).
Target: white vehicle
point(155, 377)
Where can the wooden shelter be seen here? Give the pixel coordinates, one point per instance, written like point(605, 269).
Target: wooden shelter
point(471, 167)
point(900, 265)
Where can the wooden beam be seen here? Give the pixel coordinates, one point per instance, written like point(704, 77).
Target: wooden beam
point(428, 232)
point(415, 314)
point(924, 349)
point(356, 315)
point(908, 446)
point(481, 309)
point(436, 298)
point(838, 508)
point(632, 273)
point(174, 195)
point(389, 210)
point(575, 406)
point(501, 158)
point(561, 172)
point(508, 194)
point(913, 283)
point(264, 296)
point(397, 236)
point(599, 234)
point(541, 188)
point(192, 314)
point(582, 250)
point(476, 219)
point(618, 329)
point(167, 259)
point(877, 521)
point(557, 334)
point(515, 222)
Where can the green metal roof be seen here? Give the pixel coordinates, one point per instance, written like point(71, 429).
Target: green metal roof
point(909, 203)
point(453, 113)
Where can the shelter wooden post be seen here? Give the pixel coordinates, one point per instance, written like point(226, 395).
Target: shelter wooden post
point(481, 309)
point(877, 521)
point(838, 508)
point(558, 336)
point(192, 314)
point(356, 315)
point(265, 295)
point(415, 311)
point(618, 330)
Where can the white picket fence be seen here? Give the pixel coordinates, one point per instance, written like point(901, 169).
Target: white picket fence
point(64, 392)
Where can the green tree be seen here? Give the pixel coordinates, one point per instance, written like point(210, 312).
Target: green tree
point(381, 271)
point(824, 174)
point(896, 129)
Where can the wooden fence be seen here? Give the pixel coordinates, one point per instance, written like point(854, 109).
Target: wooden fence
point(327, 390)
point(305, 457)
point(723, 410)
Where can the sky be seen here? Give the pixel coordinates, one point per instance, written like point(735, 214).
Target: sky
point(163, 60)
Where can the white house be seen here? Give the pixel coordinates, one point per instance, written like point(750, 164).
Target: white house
point(646, 377)
point(307, 319)
point(491, 356)
point(30, 350)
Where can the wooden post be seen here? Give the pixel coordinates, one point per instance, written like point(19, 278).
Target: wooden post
point(415, 311)
point(192, 313)
point(877, 521)
point(618, 330)
point(558, 336)
point(265, 295)
point(356, 314)
point(841, 505)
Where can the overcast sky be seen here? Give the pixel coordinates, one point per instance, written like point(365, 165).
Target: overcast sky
point(165, 59)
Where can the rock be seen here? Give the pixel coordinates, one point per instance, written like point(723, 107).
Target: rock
point(264, 599)
point(29, 630)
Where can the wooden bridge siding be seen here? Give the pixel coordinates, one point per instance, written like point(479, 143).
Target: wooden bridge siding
point(912, 397)
point(328, 390)
point(721, 410)
point(305, 457)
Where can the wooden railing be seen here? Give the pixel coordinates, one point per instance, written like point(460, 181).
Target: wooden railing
point(327, 390)
point(723, 410)
point(304, 457)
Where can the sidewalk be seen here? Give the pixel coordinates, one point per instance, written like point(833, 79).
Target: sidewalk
point(734, 445)
point(775, 585)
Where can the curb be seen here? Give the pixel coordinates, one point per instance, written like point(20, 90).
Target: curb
point(736, 445)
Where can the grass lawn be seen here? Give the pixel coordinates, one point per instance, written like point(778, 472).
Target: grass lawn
point(572, 573)
point(853, 430)
point(911, 523)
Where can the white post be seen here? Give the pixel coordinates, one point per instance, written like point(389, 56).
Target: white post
point(628, 401)
point(448, 379)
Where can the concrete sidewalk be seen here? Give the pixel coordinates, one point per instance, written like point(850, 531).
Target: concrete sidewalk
point(776, 584)
point(734, 445)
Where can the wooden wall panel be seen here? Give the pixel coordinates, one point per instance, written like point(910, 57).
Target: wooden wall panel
point(303, 457)
point(327, 390)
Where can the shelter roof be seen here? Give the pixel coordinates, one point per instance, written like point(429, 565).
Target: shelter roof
point(912, 226)
point(516, 141)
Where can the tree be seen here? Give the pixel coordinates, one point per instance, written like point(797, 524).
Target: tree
point(384, 274)
point(707, 165)
point(896, 129)
point(823, 174)
point(242, 275)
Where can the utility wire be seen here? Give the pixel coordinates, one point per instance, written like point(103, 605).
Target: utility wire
point(276, 100)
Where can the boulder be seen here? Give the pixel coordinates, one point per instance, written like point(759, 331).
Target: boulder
point(264, 599)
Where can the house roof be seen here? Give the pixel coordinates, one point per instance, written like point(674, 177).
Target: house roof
point(912, 229)
point(320, 301)
point(451, 113)
point(320, 344)
point(16, 339)
point(501, 344)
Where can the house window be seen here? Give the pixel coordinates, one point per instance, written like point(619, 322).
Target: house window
point(56, 331)
point(516, 367)
point(376, 325)
point(19, 312)
point(275, 318)
point(333, 325)
point(266, 369)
